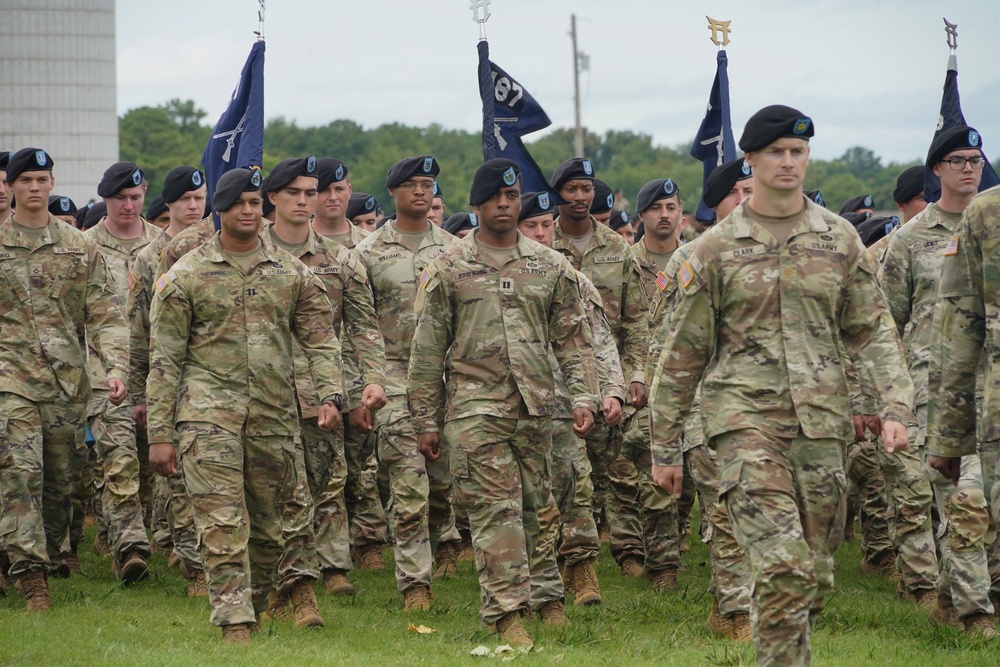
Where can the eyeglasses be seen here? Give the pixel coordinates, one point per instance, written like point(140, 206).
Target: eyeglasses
point(413, 185)
point(958, 163)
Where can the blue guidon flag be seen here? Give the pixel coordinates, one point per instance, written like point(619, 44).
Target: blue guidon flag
point(510, 112)
point(238, 138)
point(714, 144)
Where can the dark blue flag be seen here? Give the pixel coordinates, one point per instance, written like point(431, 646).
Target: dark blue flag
point(952, 116)
point(510, 112)
point(714, 144)
point(238, 138)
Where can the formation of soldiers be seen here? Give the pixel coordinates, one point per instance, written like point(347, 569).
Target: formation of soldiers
point(276, 396)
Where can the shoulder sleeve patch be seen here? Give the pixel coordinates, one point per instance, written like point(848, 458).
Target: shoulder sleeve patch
point(685, 274)
point(662, 281)
point(425, 277)
point(131, 281)
point(951, 248)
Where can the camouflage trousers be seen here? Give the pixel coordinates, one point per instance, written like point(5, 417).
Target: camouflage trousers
point(326, 471)
point(117, 447)
point(364, 507)
point(41, 459)
point(84, 496)
point(162, 535)
point(573, 492)
point(174, 522)
point(786, 500)
point(241, 487)
point(865, 474)
point(501, 469)
point(546, 581)
point(616, 500)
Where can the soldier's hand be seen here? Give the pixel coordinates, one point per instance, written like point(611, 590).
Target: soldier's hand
point(360, 420)
point(162, 459)
point(612, 410)
point(139, 414)
point(374, 397)
point(329, 417)
point(949, 466)
point(894, 437)
point(583, 422)
point(116, 391)
point(669, 478)
point(637, 395)
point(429, 444)
point(859, 427)
point(874, 424)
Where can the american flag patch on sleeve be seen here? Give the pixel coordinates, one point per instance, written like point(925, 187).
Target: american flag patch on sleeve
point(685, 274)
point(952, 247)
point(662, 281)
point(130, 281)
point(161, 283)
point(425, 278)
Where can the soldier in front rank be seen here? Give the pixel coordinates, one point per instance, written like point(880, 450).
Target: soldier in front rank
point(184, 193)
point(122, 450)
point(766, 304)
point(490, 308)
point(394, 257)
point(57, 292)
point(607, 260)
point(225, 320)
point(910, 278)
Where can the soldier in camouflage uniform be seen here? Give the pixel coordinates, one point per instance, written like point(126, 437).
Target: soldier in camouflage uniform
point(4, 190)
point(56, 292)
point(185, 192)
point(224, 321)
point(121, 448)
point(604, 257)
point(394, 257)
point(910, 277)
point(765, 306)
point(489, 310)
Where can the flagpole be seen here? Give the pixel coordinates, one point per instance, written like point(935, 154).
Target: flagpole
point(481, 14)
point(260, 21)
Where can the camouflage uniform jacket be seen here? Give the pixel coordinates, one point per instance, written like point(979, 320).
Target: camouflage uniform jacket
point(490, 332)
point(354, 320)
point(356, 236)
point(193, 237)
point(967, 316)
point(769, 326)
point(221, 345)
point(394, 272)
point(608, 261)
point(53, 296)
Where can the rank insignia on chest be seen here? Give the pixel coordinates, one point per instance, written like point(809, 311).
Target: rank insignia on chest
point(952, 247)
point(425, 278)
point(506, 285)
point(131, 281)
point(662, 281)
point(685, 274)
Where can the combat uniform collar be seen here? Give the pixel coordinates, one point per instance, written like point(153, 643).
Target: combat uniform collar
point(937, 217)
point(525, 247)
point(102, 236)
point(436, 235)
point(744, 227)
point(598, 240)
point(216, 254)
point(9, 234)
point(313, 245)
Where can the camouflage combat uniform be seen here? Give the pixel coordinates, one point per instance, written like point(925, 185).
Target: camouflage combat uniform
point(221, 374)
point(55, 293)
point(767, 324)
point(484, 334)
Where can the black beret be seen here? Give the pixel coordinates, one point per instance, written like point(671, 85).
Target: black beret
point(909, 184)
point(156, 208)
point(329, 170)
point(119, 176)
point(604, 198)
point(4, 160)
point(61, 205)
point(28, 159)
point(425, 165)
point(953, 139)
point(361, 203)
point(232, 184)
point(288, 170)
point(618, 220)
point(815, 196)
point(773, 123)
point(81, 215)
point(534, 204)
point(853, 204)
point(575, 168)
point(459, 221)
point(181, 180)
point(661, 188)
point(491, 177)
point(94, 214)
point(722, 179)
point(855, 218)
point(438, 192)
point(876, 228)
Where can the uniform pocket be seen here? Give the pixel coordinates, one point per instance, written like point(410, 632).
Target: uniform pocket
point(751, 522)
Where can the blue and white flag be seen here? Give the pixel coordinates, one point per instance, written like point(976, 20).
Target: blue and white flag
point(510, 112)
point(952, 116)
point(714, 144)
point(238, 138)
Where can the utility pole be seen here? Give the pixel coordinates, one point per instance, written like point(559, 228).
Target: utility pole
point(578, 134)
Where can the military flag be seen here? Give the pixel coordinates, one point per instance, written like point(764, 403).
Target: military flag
point(714, 144)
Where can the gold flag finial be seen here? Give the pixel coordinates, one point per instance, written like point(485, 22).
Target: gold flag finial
point(951, 30)
point(719, 29)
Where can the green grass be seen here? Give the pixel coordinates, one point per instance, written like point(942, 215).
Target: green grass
point(96, 621)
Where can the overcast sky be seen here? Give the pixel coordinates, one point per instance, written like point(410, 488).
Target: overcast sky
point(869, 72)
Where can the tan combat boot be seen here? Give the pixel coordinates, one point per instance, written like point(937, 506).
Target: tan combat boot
point(132, 569)
point(34, 588)
point(238, 633)
point(305, 608)
point(101, 547)
point(466, 552)
point(417, 598)
point(718, 623)
point(944, 613)
point(926, 599)
point(370, 557)
point(664, 579)
point(511, 630)
point(445, 556)
point(552, 613)
point(632, 567)
point(197, 586)
point(742, 631)
point(979, 626)
point(72, 561)
point(585, 585)
point(335, 582)
point(279, 606)
point(566, 572)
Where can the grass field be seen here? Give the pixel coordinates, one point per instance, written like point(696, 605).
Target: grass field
point(96, 621)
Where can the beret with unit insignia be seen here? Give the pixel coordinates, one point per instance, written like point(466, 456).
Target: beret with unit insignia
point(28, 159)
point(772, 123)
point(491, 177)
point(408, 167)
point(181, 180)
